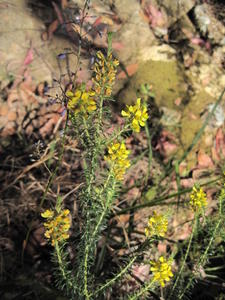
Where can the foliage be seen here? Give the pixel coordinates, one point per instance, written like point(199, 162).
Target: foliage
point(105, 160)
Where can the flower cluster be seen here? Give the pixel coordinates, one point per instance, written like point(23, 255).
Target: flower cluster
point(117, 157)
point(81, 101)
point(137, 115)
point(161, 270)
point(57, 225)
point(105, 73)
point(157, 225)
point(198, 199)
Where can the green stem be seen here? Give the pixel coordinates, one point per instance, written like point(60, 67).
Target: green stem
point(92, 237)
point(121, 131)
point(110, 282)
point(90, 165)
point(86, 129)
point(178, 182)
point(91, 176)
point(186, 256)
point(211, 269)
point(142, 291)
point(109, 50)
point(202, 259)
point(158, 200)
point(100, 111)
point(105, 187)
point(86, 292)
point(149, 153)
point(87, 248)
point(62, 267)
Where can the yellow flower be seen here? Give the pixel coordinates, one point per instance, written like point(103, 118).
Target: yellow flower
point(137, 114)
point(105, 74)
point(81, 102)
point(57, 225)
point(118, 151)
point(47, 214)
point(117, 157)
point(120, 167)
point(198, 199)
point(161, 270)
point(157, 225)
point(65, 212)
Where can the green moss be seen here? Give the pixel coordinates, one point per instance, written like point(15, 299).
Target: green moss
point(191, 121)
point(166, 78)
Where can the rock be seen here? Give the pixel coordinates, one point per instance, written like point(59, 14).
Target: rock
point(22, 31)
point(157, 53)
point(134, 34)
point(170, 117)
point(209, 25)
point(156, 18)
point(3, 121)
point(12, 116)
point(204, 160)
point(175, 10)
point(125, 9)
point(202, 18)
point(208, 73)
point(218, 117)
point(9, 129)
point(183, 29)
point(3, 109)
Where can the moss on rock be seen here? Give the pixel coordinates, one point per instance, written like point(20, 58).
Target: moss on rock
point(191, 123)
point(166, 78)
